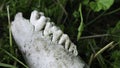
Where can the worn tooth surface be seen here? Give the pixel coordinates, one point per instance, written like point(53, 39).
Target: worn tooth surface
point(40, 23)
point(38, 20)
point(63, 38)
point(33, 17)
point(57, 35)
point(73, 49)
point(67, 44)
point(47, 30)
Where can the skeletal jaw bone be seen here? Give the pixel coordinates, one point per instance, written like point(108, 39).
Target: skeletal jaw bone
point(40, 21)
point(44, 45)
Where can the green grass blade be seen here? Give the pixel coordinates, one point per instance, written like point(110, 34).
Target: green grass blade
point(7, 65)
point(15, 58)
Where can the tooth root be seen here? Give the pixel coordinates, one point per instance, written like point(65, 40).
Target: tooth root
point(56, 35)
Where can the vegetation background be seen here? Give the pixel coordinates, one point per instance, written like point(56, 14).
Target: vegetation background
point(93, 25)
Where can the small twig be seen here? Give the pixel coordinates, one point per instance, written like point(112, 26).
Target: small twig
point(93, 56)
point(113, 46)
point(103, 49)
point(95, 36)
point(91, 59)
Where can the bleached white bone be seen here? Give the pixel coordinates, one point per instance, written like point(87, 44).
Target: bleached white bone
point(41, 49)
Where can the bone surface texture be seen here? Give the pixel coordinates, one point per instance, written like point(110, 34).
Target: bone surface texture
point(43, 44)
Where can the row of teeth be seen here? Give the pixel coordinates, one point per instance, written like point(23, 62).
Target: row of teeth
point(41, 22)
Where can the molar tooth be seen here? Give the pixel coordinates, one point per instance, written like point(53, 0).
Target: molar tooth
point(47, 30)
point(49, 25)
point(67, 44)
point(54, 29)
point(56, 35)
point(33, 17)
point(75, 52)
point(73, 49)
point(39, 25)
point(63, 38)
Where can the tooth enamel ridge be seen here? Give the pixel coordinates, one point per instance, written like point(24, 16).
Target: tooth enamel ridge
point(43, 44)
